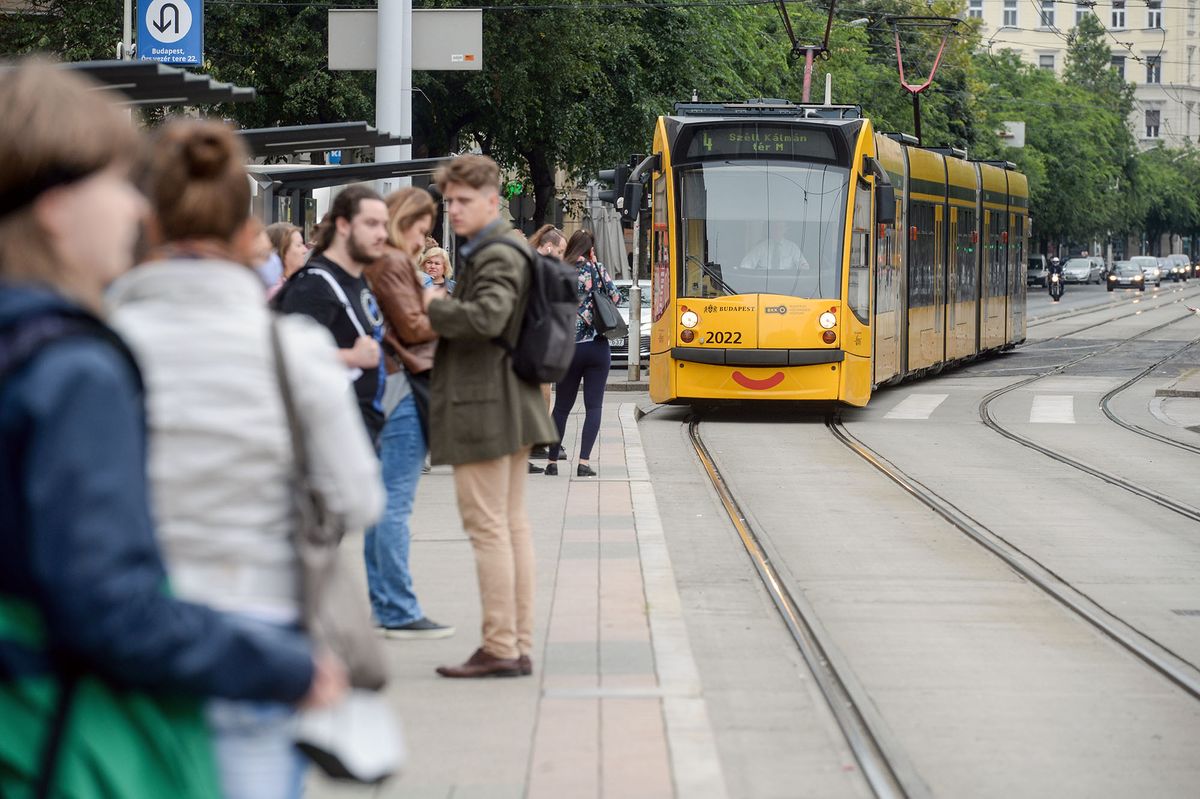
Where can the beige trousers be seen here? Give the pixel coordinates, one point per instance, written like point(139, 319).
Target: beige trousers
point(491, 501)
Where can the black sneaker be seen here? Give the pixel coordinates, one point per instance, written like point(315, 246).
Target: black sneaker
point(552, 469)
point(535, 469)
point(540, 451)
point(583, 470)
point(421, 628)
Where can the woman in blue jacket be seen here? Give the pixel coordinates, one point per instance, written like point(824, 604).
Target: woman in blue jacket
point(87, 623)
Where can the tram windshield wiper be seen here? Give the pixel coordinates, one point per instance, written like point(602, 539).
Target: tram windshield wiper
point(714, 274)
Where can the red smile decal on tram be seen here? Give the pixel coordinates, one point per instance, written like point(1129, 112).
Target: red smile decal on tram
point(758, 385)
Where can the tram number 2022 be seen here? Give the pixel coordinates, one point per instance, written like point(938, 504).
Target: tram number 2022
point(722, 337)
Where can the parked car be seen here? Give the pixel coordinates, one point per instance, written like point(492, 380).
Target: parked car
point(1149, 266)
point(1036, 275)
point(1081, 270)
point(1126, 275)
point(1179, 267)
point(620, 346)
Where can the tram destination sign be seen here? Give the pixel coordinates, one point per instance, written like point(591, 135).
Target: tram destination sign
point(761, 140)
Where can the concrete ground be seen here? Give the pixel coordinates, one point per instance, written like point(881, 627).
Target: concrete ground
point(662, 668)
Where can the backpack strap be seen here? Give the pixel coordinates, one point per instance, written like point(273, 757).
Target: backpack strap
point(336, 288)
point(525, 251)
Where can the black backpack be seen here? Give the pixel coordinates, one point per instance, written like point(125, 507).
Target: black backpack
point(546, 342)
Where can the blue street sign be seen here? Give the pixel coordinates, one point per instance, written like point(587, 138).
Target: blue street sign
point(171, 31)
point(335, 156)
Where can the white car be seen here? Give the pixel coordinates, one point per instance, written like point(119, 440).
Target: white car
point(620, 347)
point(1149, 266)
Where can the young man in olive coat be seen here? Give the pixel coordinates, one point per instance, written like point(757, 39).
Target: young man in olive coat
point(483, 418)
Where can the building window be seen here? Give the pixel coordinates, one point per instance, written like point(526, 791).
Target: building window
point(1118, 65)
point(1152, 124)
point(1046, 61)
point(1153, 69)
point(1047, 13)
point(1010, 13)
point(975, 9)
point(1081, 11)
point(1118, 14)
point(1153, 13)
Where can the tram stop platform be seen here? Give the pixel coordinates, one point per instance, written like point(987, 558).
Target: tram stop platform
point(614, 707)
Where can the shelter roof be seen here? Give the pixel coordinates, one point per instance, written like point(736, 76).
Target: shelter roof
point(265, 142)
point(151, 83)
point(290, 178)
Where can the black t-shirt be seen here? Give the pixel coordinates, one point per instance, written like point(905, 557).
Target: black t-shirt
point(309, 292)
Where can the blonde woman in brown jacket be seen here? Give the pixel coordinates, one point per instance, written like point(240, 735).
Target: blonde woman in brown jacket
point(409, 343)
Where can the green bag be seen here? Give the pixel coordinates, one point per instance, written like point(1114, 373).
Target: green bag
point(115, 744)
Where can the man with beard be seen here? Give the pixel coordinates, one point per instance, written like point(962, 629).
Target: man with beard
point(331, 289)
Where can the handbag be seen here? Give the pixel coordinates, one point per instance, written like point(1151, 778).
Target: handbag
point(71, 733)
point(606, 317)
point(334, 606)
point(419, 383)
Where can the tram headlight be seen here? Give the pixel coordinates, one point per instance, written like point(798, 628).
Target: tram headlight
point(827, 320)
point(689, 319)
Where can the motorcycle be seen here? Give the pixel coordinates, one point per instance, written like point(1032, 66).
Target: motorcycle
point(1056, 287)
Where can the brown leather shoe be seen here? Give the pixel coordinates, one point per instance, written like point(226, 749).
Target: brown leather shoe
point(526, 664)
point(481, 664)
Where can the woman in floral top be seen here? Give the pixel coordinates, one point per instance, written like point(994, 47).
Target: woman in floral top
point(592, 358)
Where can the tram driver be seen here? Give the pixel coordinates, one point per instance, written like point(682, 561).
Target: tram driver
point(776, 253)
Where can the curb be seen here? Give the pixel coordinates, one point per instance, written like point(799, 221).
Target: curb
point(627, 386)
point(1188, 385)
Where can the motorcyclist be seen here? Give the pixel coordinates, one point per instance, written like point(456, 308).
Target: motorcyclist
point(1055, 287)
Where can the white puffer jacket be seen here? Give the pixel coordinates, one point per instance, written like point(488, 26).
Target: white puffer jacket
point(220, 456)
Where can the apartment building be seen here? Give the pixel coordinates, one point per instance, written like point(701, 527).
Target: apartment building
point(1153, 42)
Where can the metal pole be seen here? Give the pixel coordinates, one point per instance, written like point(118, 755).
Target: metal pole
point(406, 91)
point(635, 307)
point(127, 32)
point(917, 115)
point(389, 80)
point(808, 64)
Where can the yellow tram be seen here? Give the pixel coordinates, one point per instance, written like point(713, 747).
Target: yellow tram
point(799, 255)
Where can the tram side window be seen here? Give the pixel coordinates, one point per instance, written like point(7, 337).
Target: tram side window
point(661, 277)
point(920, 265)
point(860, 255)
point(967, 238)
point(995, 257)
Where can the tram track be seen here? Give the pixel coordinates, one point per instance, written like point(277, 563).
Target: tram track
point(1152, 653)
point(1108, 306)
point(986, 416)
point(1166, 303)
point(883, 765)
point(1106, 404)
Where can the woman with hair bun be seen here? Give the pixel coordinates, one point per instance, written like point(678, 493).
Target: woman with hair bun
point(221, 461)
point(93, 643)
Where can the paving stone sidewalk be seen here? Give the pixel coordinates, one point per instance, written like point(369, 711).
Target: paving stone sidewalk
point(615, 707)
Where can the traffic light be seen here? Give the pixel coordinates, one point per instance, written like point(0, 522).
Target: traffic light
point(615, 177)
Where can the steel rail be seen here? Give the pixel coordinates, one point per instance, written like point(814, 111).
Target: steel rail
point(1142, 431)
point(985, 415)
point(1071, 314)
point(874, 759)
point(1158, 657)
point(1106, 321)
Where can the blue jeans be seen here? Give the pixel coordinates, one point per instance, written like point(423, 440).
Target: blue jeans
point(253, 742)
point(256, 755)
point(402, 449)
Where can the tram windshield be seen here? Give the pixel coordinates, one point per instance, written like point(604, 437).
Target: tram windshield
point(762, 228)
